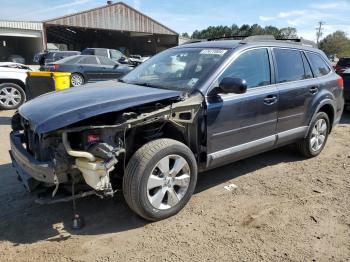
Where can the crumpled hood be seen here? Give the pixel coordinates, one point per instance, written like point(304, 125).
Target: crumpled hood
point(59, 109)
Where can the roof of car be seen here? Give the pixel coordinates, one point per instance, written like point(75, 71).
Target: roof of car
point(231, 44)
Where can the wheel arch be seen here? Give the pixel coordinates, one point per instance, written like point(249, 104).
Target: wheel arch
point(327, 106)
point(14, 81)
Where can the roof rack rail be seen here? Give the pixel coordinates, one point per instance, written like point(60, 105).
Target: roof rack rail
point(268, 38)
point(230, 37)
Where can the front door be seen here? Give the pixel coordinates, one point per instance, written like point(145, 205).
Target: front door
point(239, 125)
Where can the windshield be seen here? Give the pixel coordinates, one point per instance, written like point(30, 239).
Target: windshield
point(177, 69)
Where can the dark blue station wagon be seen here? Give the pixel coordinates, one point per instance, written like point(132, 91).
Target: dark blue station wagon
point(188, 109)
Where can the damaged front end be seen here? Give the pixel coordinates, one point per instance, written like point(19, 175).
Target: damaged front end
point(93, 152)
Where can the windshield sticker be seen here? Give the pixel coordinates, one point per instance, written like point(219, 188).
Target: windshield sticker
point(213, 52)
point(192, 82)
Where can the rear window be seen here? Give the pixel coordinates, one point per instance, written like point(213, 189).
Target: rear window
point(319, 66)
point(289, 65)
point(344, 62)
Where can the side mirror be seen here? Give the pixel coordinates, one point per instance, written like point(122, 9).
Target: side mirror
point(232, 85)
point(116, 65)
point(122, 59)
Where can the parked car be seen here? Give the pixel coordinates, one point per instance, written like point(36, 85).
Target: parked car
point(154, 130)
point(113, 54)
point(342, 65)
point(346, 78)
point(88, 68)
point(12, 84)
point(137, 59)
point(52, 56)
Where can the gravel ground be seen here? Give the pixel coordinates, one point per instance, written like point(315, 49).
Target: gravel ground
point(285, 208)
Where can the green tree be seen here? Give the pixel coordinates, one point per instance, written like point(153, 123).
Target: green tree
point(244, 30)
point(186, 35)
point(337, 43)
point(272, 30)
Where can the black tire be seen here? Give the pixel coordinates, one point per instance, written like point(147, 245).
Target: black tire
point(13, 104)
point(304, 146)
point(76, 75)
point(139, 170)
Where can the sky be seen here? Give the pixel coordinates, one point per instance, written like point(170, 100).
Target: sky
point(189, 15)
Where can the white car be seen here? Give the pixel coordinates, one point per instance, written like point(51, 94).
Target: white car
point(12, 84)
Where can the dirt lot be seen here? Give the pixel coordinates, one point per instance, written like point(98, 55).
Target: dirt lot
point(285, 209)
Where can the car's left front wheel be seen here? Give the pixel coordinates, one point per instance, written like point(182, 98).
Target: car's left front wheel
point(160, 179)
point(12, 96)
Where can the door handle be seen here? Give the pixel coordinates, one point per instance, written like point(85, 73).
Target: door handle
point(270, 100)
point(313, 90)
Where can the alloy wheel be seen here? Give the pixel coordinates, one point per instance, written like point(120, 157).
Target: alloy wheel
point(10, 97)
point(318, 135)
point(77, 80)
point(168, 182)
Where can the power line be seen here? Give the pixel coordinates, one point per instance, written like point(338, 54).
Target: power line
point(319, 32)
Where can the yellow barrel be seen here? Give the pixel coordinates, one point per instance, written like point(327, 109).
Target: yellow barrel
point(62, 79)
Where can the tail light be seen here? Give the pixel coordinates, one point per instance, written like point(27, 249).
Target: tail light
point(55, 67)
point(340, 82)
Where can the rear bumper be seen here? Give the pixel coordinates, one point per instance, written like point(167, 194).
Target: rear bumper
point(30, 171)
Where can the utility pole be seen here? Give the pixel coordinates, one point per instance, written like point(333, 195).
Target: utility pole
point(319, 31)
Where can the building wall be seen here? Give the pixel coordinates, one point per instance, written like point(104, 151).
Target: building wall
point(120, 17)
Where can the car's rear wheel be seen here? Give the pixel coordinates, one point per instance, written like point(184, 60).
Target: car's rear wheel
point(160, 179)
point(76, 80)
point(11, 96)
point(313, 144)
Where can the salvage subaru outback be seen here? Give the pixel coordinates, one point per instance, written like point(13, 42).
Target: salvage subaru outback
point(188, 109)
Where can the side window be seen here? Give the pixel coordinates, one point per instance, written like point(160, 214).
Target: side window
point(252, 66)
point(101, 52)
point(319, 66)
point(289, 65)
point(106, 61)
point(91, 60)
point(308, 71)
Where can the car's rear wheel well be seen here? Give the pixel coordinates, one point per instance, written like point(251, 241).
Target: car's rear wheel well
point(328, 109)
point(13, 81)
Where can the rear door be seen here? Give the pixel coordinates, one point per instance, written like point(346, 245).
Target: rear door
point(296, 87)
point(239, 125)
point(90, 68)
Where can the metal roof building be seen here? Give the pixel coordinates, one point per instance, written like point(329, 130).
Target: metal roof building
point(21, 38)
point(115, 26)
point(118, 17)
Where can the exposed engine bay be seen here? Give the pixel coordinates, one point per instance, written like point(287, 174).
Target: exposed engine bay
point(95, 151)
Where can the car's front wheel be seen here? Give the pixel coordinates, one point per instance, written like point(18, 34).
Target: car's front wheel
point(160, 179)
point(11, 96)
point(313, 144)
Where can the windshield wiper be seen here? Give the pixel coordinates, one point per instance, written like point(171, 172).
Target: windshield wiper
point(147, 84)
